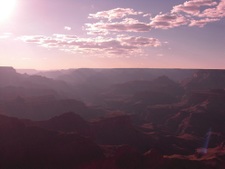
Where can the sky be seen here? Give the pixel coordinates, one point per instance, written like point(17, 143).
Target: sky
point(62, 34)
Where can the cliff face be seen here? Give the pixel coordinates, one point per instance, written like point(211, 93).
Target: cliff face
point(8, 76)
point(206, 79)
point(67, 122)
point(118, 130)
point(209, 112)
point(7, 69)
point(27, 147)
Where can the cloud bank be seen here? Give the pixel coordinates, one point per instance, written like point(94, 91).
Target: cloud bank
point(123, 45)
point(116, 13)
point(110, 31)
point(190, 13)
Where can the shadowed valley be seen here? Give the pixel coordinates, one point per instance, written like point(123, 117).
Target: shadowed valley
point(112, 118)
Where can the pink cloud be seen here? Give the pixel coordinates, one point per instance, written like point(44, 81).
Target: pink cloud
point(166, 21)
point(141, 41)
point(190, 13)
point(33, 39)
point(116, 13)
point(193, 6)
point(214, 10)
point(121, 44)
point(217, 12)
point(97, 28)
point(202, 22)
point(67, 28)
point(161, 21)
point(126, 25)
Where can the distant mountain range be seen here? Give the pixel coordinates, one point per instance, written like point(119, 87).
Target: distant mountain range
point(112, 118)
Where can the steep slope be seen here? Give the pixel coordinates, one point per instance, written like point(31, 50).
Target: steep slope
point(120, 75)
point(8, 76)
point(26, 147)
point(206, 79)
point(13, 85)
point(206, 110)
point(45, 107)
point(119, 130)
point(67, 122)
point(93, 84)
point(114, 130)
point(136, 96)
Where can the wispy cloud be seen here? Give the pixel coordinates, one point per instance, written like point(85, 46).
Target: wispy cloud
point(126, 25)
point(5, 35)
point(202, 12)
point(190, 13)
point(193, 6)
point(202, 22)
point(67, 28)
point(107, 27)
point(124, 45)
point(216, 12)
point(166, 21)
point(116, 13)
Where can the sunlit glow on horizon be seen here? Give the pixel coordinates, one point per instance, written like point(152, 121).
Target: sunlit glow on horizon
point(130, 34)
point(6, 8)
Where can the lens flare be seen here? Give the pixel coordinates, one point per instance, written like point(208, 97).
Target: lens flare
point(204, 149)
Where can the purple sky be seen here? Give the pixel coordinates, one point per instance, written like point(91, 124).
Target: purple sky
point(60, 34)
